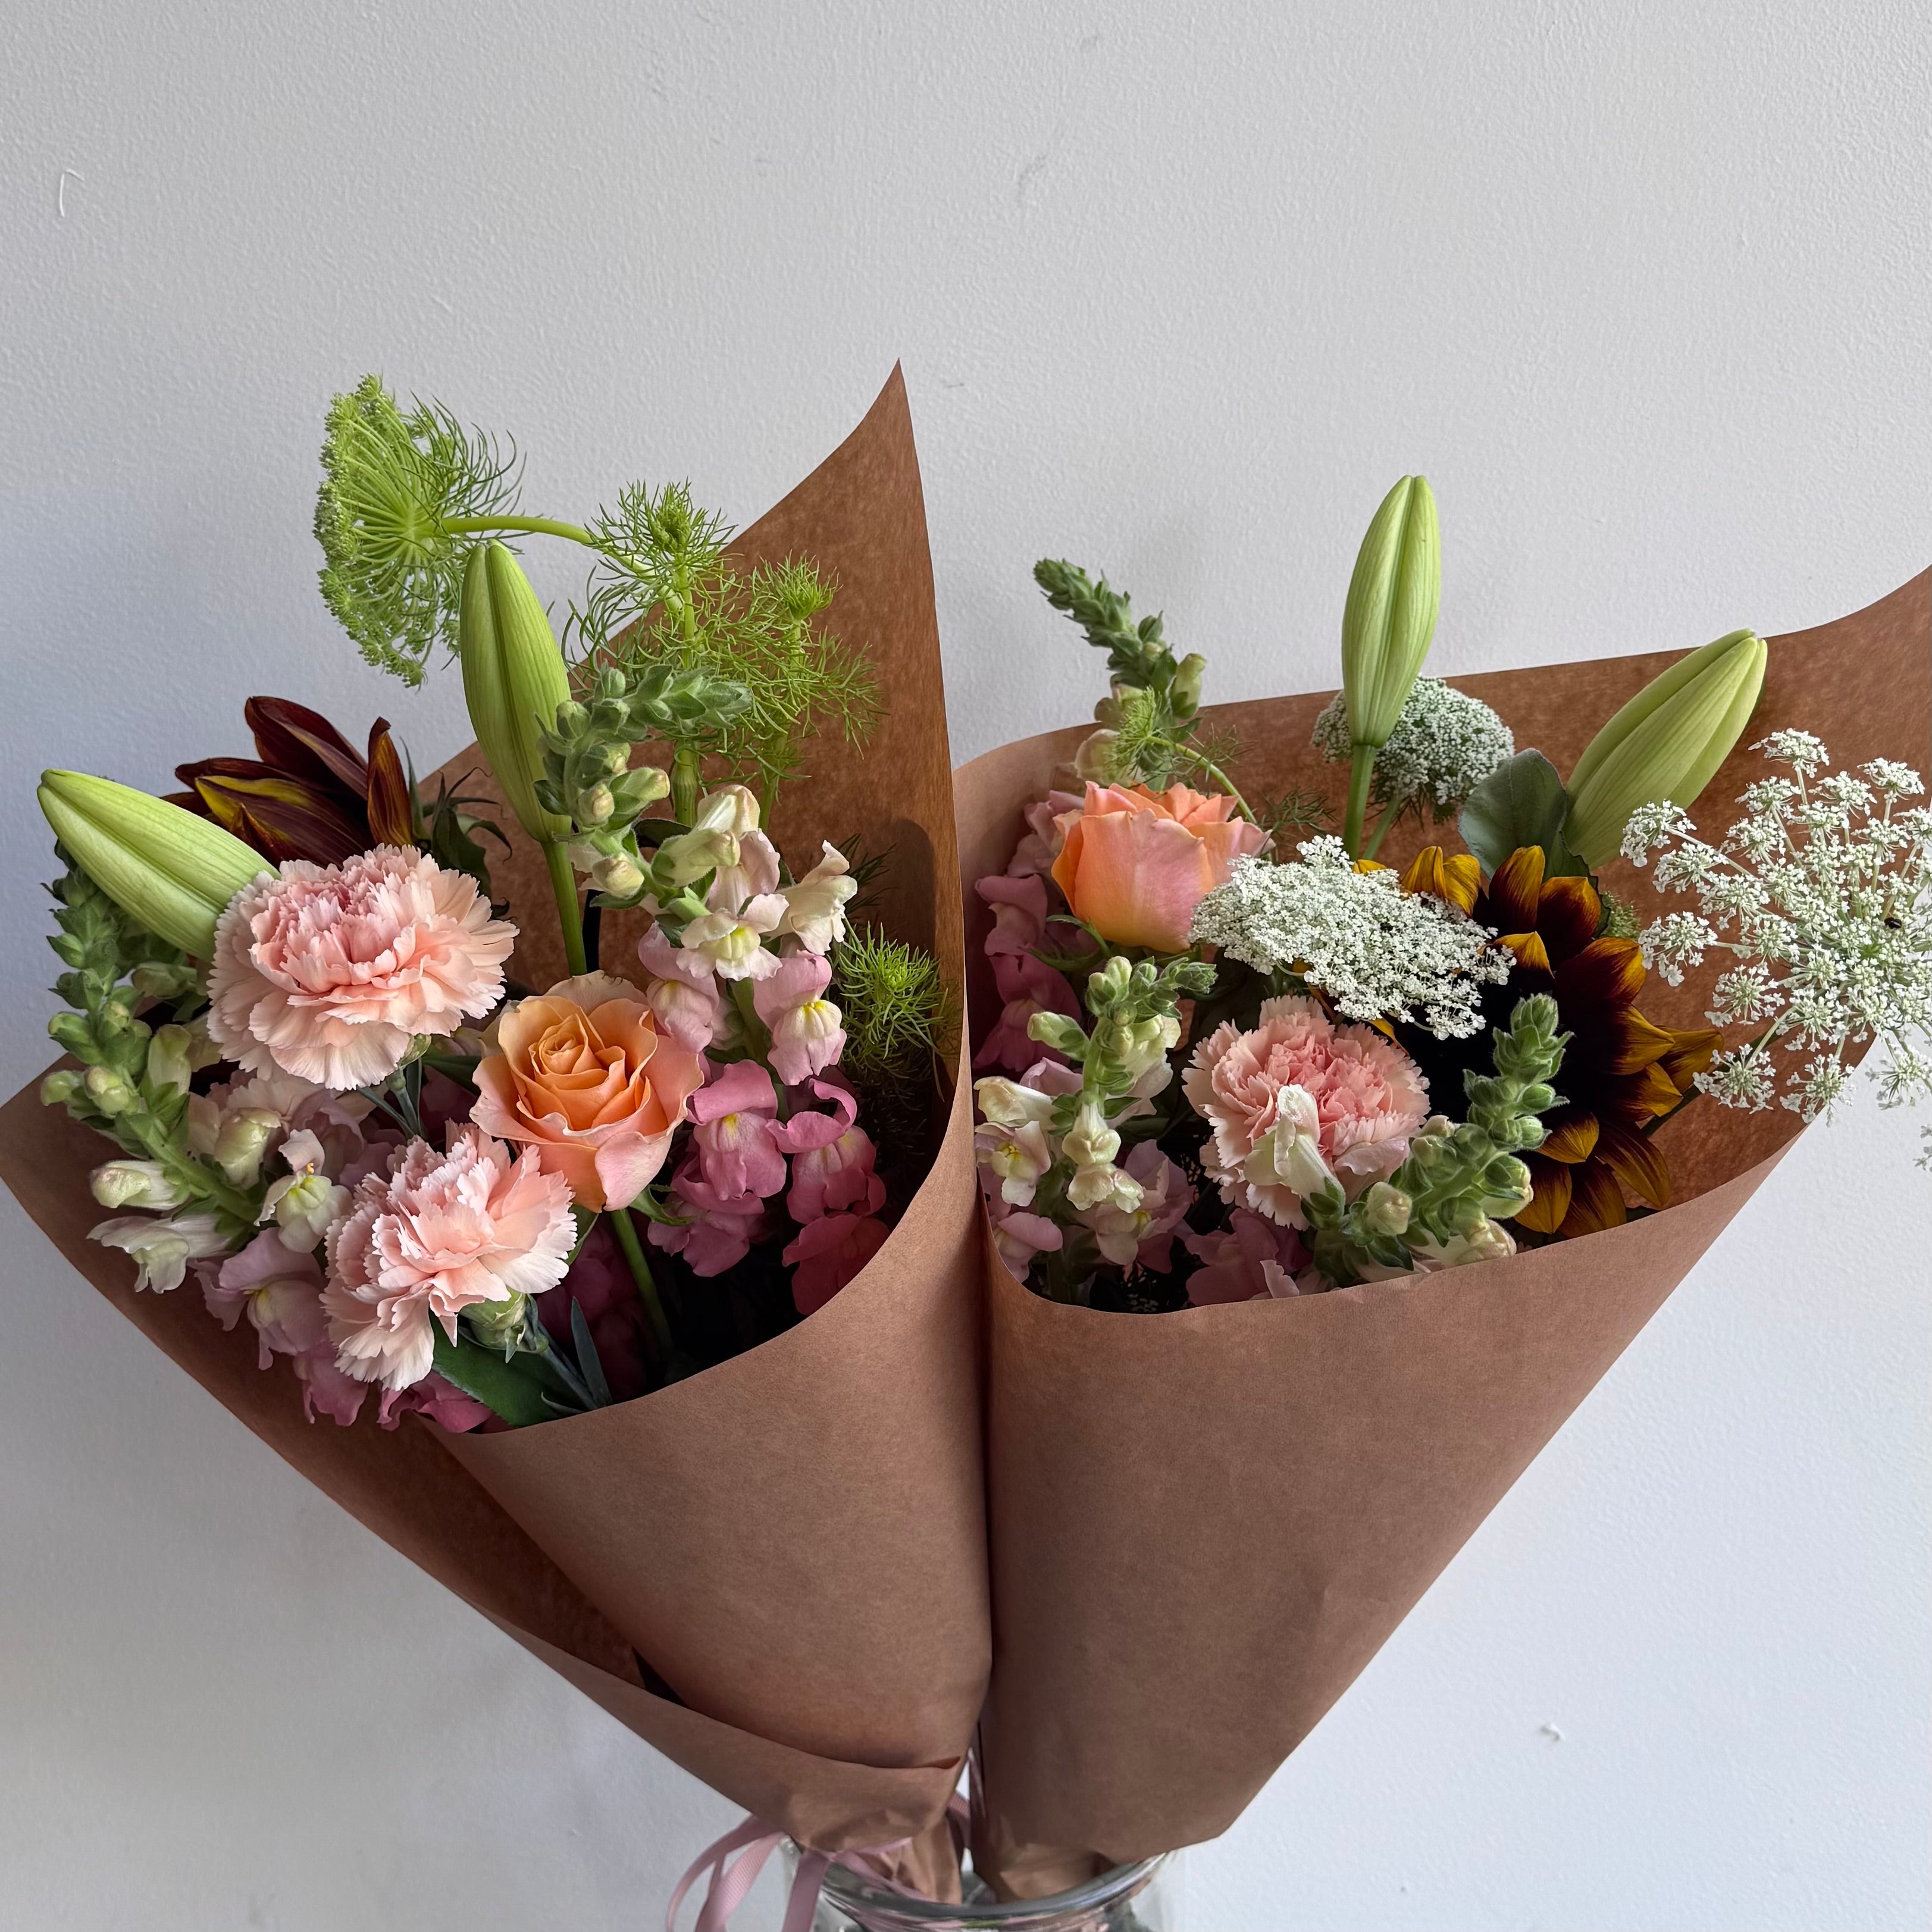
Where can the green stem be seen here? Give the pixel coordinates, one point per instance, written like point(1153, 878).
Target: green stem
point(1215, 773)
point(626, 1231)
point(563, 883)
point(193, 1175)
point(1361, 769)
point(535, 526)
point(757, 1035)
point(1389, 818)
point(684, 780)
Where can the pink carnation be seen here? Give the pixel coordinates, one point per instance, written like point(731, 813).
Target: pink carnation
point(1251, 1256)
point(329, 971)
point(438, 1233)
point(1369, 1096)
point(827, 1253)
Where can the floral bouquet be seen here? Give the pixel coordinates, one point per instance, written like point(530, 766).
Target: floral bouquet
point(1398, 1074)
point(559, 1158)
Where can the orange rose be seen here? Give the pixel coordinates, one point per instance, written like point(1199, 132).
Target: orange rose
point(582, 1076)
point(1135, 864)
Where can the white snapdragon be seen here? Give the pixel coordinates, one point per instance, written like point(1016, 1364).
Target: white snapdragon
point(1823, 893)
point(1377, 952)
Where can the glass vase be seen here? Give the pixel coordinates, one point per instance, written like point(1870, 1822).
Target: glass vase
point(1130, 1898)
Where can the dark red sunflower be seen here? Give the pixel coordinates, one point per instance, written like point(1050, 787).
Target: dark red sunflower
point(308, 793)
point(1620, 1072)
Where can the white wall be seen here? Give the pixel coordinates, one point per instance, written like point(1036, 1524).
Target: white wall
point(1179, 289)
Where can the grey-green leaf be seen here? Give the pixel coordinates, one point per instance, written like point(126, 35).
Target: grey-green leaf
point(1521, 803)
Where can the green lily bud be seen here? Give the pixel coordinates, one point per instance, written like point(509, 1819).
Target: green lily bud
point(171, 872)
point(514, 681)
point(1666, 742)
point(1390, 614)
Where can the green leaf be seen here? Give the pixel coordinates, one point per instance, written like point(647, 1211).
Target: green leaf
point(504, 1388)
point(589, 1363)
point(1521, 803)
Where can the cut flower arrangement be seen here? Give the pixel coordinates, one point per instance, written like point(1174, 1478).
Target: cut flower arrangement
point(559, 1156)
point(1398, 1051)
point(287, 990)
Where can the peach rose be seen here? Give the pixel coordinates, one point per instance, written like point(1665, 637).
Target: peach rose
point(1135, 864)
point(582, 1076)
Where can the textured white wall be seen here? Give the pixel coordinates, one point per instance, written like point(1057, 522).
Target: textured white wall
point(1179, 289)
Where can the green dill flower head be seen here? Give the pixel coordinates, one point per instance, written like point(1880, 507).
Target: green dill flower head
point(898, 1010)
point(1443, 745)
point(393, 483)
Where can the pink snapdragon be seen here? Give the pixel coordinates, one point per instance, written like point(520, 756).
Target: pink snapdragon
point(713, 1232)
point(806, 1035)
point(1251, 1256)
point(827, 1254)
point(1297, 1094)
point(438, 1233)
point(329, 972)
point(681, 991)
point(278, 1288)
point(738, 1150)
point(1019, 912)
point(1017, 1235)
point(832, 1159)
point(1046, 834)
point(1028, 987)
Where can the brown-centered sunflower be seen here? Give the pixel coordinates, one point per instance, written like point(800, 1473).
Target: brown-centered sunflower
point(1621, 1073)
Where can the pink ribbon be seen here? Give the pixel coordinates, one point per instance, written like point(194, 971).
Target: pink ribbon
point(735, 1861)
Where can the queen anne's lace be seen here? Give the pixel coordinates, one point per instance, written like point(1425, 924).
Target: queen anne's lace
point(1377, 952)
point(1823, 891)
point(1443, 745)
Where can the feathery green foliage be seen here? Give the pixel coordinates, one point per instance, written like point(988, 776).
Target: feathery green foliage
point(393, 485)
point(898, 1010)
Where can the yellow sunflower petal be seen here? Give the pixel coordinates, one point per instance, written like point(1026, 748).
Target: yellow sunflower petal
point(1572, 1137)
point(1551, 1200)
point(1596, 1200)
point(1637, 1163)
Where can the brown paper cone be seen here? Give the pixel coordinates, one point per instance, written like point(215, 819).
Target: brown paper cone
point(1204, 1524)
point(794, 1541)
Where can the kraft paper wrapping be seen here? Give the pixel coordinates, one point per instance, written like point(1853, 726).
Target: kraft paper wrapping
point(792, 1542)
point(1204, 1524)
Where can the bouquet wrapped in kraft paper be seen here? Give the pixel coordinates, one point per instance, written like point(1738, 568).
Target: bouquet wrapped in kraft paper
point(1207, 1513)
point(683, 1558)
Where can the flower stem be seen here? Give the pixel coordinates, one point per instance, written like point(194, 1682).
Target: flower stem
point(625, 1229)
point(1361, 768)
point(685, 778)
point(535, 526)
point(1214, 772)
point(563, 883)
point(1388, 818)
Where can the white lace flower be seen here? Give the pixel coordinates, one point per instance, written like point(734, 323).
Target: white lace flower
point(1823, 891)
point(1444, 744)
point(1377, 952)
